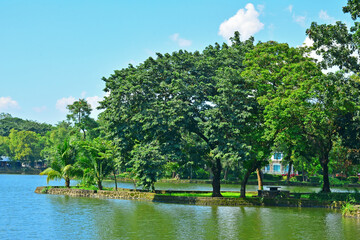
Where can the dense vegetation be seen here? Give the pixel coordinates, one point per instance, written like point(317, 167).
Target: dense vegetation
point(220, 112)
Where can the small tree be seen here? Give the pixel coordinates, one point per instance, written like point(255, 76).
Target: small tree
point(80, 115)
point(147, 163)
point(63, 163)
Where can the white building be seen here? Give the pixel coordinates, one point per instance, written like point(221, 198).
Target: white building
point(275, 166)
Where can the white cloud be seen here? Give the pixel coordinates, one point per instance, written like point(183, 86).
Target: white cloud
point(94, 101)
point(63, 102)
point(40, 109)
point(261, 8)
point(290, 8)
point(245, 21)
point(325, 17)
point(301, 20)
point(7, 103)
point(308, 43)
point(182, 42)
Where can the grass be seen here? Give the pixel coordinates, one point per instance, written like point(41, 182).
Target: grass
point(225, 194)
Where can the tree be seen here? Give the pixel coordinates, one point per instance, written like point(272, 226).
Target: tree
point(80, 115)
point(97, 159)
point(164, 100)
point(336, 44)
point(302, 105)
point(4, 146)
point(7, 122)
point(148, 164)
point(63, 163)
point(24, 146)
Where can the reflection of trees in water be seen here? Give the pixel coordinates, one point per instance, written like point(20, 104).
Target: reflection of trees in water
point(126, 219)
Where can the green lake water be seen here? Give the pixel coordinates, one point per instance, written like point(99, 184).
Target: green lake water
point(26, 215)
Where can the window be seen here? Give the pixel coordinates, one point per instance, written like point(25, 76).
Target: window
point(276, 167)
point(277, 156)
point(267, 168)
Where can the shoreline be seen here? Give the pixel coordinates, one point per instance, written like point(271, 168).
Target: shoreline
point(130, 194)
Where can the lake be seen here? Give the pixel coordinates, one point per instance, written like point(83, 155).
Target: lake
point(26, 215)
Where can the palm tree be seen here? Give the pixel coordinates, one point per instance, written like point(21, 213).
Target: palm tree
point(97, 159)
point(62, 166)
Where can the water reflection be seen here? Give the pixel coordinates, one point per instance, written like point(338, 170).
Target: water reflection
point(124, 219)
point(26, 215)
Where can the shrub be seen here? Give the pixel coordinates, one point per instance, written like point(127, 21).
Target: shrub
point(336, 196)
point(335, 181)
point(268, 176)
point(253, 176)
point(315, 179)
point(353, 179)
point(299, 178)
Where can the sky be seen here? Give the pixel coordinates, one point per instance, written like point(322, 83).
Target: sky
point(55, 52)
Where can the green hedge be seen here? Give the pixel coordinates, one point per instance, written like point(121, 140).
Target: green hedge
point(353, 179)
point(335, 197)
point(315, 179)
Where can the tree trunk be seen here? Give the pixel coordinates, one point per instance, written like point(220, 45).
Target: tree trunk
point(243, 184)
point(303, 172)
point(116, 188)
point(99, 185)
point(67, 182)
point(225, 174)
point(289, 172)
point(153, 187)
point(326, 182)
point(216, 170)
point(260, 180)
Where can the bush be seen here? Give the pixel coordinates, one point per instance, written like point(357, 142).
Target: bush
point(277, 177)
point(315, 179)
point(272, 177)
point(253, 176)
point(354, 197)
point(299, 178)
point(353, 179)
point(335, 181)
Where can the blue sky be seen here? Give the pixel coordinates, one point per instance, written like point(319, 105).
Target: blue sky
point(54, 52)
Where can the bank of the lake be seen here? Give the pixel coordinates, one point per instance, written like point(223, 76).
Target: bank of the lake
point(27, 215)
point(167, 197)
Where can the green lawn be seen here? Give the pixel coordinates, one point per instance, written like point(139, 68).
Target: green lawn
point(225, 194)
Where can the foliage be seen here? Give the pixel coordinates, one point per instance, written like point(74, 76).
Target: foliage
point(314, 179)
point(175, 97)
point(7, 122)
point(147, 164)
point(80, 115)
point(24, 145)
point(97, 158)
point(353, 179)
point(63, 163)
point(355, 197)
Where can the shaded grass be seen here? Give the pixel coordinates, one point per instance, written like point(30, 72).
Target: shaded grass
point(225, 194)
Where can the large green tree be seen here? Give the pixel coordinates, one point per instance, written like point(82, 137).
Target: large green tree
point(164, 100)
point(302, 105)
point(336, 43)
